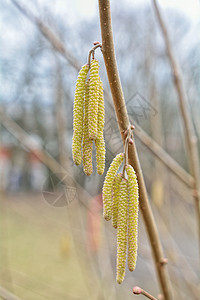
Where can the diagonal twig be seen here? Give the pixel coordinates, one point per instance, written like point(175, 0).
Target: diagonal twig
point(164, 157)
point(190, 138)
point(48, 34)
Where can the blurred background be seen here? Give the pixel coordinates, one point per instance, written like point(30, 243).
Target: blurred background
point(54, 241)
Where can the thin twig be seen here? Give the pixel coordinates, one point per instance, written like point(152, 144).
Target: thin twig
point(60, 119)
point(190, 138)
point(164, 157)
point(91, 52)
point(123, 123)
point(138, 291)
point(48, 34)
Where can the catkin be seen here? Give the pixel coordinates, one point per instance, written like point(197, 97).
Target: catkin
point(99, 142)
point(100, 153)
point(132, 217)
point(116, 198)
point(78, 115)
point(87, 142)
point(107, 187)
point(122, 231)
point(94, 98)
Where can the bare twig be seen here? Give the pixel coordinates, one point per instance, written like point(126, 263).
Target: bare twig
point(164, 157)
point(138, 291)
point(49, 35)
point(123, 122)
point(190, 138)
point(91, 52)
point(60, 117)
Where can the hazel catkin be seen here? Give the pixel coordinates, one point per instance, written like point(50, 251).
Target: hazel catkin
point(99, 142)
point(107, 187)
point(116, 198)
point(87, 142)
point(132, 217)
point(122, 231)
point(78, 115)
point(94, 98)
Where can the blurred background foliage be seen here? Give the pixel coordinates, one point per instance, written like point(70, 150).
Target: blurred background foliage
point(68, 252)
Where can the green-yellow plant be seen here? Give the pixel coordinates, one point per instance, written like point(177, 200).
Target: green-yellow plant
point(94, 99)
point(122, 231)
point(99, 142)
point(116, 198)
point(87, 142)
point(132, 217)
point(78, 114)
point(108, 183)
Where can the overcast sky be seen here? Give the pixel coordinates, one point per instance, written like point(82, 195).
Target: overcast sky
point(88, 8)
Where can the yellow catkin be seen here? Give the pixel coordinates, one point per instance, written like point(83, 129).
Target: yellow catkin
point(100, 153)
point(78, 115)
point(99, 142)
point(122, 231)
point(94, 98)
point(108, 183)
point(87, 142)
point(116, 198)
point(132, 217)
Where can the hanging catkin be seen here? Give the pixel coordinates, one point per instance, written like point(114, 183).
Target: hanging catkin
point(94, 98)
point(108, 183)
point(132, 217)
point(122, 231)
point(78, 115)
point(116, 198)
point(87, 142)
point(99, 142)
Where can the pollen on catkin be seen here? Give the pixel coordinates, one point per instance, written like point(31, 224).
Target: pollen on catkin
point(116, 198)
point(100, 153)
point(122, 231)
point(87, 142)
point(99, 142)
point(78, 115)
point(108, 183)
point(132, 217)
point(94, 98)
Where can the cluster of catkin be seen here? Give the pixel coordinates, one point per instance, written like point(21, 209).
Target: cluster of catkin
point(88, 122)
point(120, 202)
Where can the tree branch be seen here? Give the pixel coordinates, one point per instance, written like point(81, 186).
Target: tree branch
point(138, 291)
point(49, 35)
point(123, 122)
point(164, 157)
point(190, 138)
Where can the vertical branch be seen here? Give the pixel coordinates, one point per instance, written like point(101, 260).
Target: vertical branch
point(190, 138)
point(123, 123)
point(60, 117)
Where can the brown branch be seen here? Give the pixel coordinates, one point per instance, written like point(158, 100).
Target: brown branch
point(60, 119)
point(190, 138)
point(138, 291)
point(123, 122)
point(49, 35)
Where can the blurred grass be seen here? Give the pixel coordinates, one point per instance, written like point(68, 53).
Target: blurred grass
point(39, 254)
point(45, 251)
